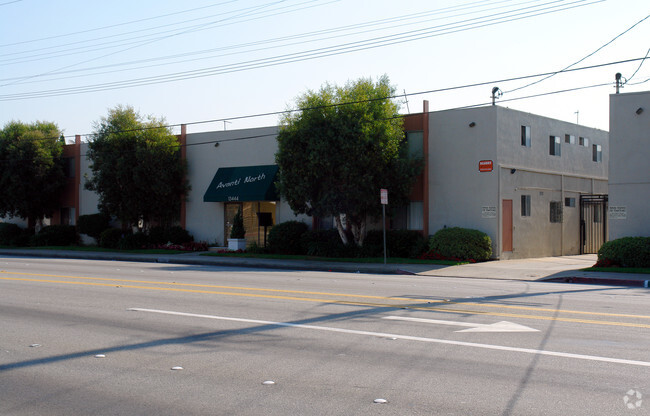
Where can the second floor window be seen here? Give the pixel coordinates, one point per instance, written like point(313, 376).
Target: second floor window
point(525, 136)
point(554, 145)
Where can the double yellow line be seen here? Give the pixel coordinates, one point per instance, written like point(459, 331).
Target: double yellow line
point(340, 298)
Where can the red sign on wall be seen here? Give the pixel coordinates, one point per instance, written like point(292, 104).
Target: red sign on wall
point(485, 166)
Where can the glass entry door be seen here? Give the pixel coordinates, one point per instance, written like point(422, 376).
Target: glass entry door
point(231, 209)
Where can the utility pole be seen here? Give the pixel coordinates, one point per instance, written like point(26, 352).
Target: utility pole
point(618, 82)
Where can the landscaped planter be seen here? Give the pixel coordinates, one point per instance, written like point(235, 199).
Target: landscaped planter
point(235, 244)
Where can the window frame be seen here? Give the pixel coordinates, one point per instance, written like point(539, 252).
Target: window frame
point(525, 136)
point(554, 145)
point(526, 206)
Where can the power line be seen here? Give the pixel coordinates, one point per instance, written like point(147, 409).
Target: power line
point(349, 47)
point(439, 90)
point(589, 55)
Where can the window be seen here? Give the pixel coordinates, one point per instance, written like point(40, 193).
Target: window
point(570, 202)
point(525, 136)
point(583, 141)
point(415, 215)
point(69, 167)
point(415, 143)
point(556, 211)
point(597, 153)
point(554, 145)
point(525, 205)
point(569, 138)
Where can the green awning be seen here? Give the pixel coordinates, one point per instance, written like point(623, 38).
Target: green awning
point(244, 183)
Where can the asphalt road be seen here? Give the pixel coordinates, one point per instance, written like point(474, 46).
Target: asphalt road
point(117, 338)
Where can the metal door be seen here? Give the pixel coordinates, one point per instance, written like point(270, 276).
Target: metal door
point(593, 223)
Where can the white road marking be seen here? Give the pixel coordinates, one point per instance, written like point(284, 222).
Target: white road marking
point(503, 326)
point(407, 338)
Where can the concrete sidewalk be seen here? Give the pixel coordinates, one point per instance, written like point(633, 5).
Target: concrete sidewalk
point(566, 268)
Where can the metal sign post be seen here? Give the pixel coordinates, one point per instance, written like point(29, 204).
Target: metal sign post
point(384, 202)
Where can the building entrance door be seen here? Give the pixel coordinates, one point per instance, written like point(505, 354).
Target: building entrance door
point(231, 209)
point(593, 223)
point(506, 208)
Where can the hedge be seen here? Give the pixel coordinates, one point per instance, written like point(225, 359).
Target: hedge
point(12, 235)
point(285, 238)
point(461, 244)
point(56, 235)
point(93, 225)
point(625, 252)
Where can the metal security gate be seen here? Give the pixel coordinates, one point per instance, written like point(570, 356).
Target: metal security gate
point(593, 223)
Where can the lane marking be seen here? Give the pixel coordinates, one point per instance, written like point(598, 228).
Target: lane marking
point(503, 326)
point(404, 337)
point(397, 298)
point(338, 302)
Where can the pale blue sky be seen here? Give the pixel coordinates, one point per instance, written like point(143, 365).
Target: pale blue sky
point(49, 48)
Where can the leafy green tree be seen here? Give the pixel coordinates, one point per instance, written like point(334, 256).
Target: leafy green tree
point(344, 145)
point(31, 170)
point(136, 168)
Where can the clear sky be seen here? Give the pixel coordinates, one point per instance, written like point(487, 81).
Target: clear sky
point(70, 61)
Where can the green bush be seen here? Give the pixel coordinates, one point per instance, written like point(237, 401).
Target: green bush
point(625, 252)
point(111, 237)
point(237, 230)
point(178, 235)
point(461, 243)
point(285, 238)
point(93, 225)
point(162, 235)
point(399, 243)
point(56, 235)
point(10, 234)
point(327, 243)
point(133, 241)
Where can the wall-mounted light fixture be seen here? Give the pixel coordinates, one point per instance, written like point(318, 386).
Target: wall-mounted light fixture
point(512, 171)
point(472, 124)
point(639, 111)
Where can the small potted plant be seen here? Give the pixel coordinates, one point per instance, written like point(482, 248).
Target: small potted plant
point(237, 240)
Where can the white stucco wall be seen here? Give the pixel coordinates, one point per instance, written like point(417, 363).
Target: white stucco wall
point(629, 178)
point(458, 191)
point(250, 147)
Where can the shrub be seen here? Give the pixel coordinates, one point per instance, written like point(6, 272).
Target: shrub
point(285, 238)
point(625, 252)
point(178, 235)
point(461, 243)
point(237, 230)
point(133, 241)
point(56, 235)
point(93, 224)
point(110, 238)
point(164, 235)
point(10, 234)
point(326, 243)
point(399, 243)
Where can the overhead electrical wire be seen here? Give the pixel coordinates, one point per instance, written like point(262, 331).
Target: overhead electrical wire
point(349, 47)
point(438, 90)
point(588, 56)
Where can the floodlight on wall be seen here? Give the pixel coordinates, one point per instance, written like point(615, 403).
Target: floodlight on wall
point(639, 111)
point(512, 171)
point(472, 124)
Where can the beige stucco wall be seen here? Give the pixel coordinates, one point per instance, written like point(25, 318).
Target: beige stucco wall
point(459, 192)
point(250, 147)
point(629, 179)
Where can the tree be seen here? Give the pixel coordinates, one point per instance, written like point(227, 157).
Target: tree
point(344, 145)
point(31, 170)
point(136, 168)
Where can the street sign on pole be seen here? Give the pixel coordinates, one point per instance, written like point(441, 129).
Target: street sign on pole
point(384, 201)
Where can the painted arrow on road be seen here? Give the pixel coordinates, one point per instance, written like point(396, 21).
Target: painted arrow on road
point(503, 326)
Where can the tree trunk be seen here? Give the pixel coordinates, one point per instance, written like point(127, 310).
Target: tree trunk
point(339, 227)
point(358, 226)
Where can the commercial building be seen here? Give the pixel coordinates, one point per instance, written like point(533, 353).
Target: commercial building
point(537, 186)
point(629, 175)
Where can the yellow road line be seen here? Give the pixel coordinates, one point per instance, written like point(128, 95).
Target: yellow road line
point(330, 301)
point(301, 292)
